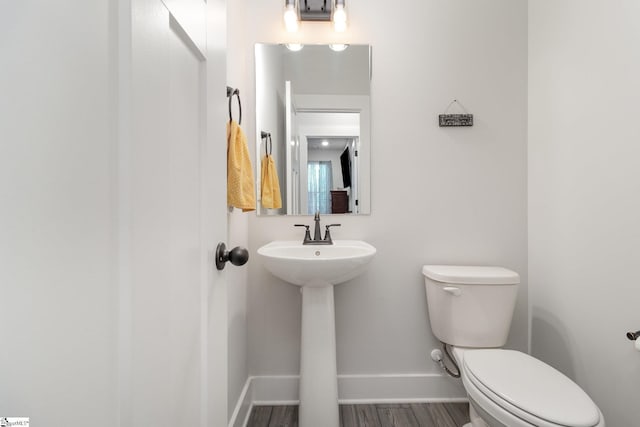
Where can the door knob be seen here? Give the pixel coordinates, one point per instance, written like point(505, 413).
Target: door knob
point(237, 256)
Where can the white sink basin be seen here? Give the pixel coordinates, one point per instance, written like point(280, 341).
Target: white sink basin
point(316, 265)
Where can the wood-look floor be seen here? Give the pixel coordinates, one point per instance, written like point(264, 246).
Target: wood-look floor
point(391, 415)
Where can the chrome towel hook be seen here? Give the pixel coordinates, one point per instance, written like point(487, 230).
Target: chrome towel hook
point(268, 144)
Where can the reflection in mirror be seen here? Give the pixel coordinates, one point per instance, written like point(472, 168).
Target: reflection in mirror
point(315, 103)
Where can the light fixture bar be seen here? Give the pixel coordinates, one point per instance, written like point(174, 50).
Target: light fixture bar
point(315, 10)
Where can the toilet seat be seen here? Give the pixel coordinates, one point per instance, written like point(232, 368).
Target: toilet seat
point(520, 390)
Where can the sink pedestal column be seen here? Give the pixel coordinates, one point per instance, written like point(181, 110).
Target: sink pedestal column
point(318, 372)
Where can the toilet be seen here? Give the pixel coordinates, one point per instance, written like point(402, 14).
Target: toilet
point(470, 310)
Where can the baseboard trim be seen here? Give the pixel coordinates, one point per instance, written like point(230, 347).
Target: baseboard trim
point(396, 388)
point(242, 411)
point(352, 389)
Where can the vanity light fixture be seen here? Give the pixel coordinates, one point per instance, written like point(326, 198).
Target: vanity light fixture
point(325, 143)
point(315, 10)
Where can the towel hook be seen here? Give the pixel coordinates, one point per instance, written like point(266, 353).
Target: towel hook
point(268, 149)
point(230, 92)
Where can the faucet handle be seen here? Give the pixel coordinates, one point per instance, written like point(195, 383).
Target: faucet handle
point(327, 234)
point(307, 233)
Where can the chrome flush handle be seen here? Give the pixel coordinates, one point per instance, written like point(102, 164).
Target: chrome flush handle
point(635, 336)
point(456, 292)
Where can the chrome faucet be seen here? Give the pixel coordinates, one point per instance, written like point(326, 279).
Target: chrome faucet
point(317, 240)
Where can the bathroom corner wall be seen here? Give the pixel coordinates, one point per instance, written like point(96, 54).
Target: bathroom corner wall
point(439, 195)
point(584, 183)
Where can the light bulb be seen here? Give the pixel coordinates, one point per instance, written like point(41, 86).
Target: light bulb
point(339, 18)
point(338, 47)
point(325, 143)
point(294, 47)
point(291, 18)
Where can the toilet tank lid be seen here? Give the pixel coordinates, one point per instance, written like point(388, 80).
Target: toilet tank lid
point(471, 275)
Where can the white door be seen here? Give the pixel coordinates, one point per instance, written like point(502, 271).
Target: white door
point(173, 323)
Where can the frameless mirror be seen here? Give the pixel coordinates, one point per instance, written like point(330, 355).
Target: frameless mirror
point(315, 105)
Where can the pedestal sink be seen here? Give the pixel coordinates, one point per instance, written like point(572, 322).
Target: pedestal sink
point(317, 268)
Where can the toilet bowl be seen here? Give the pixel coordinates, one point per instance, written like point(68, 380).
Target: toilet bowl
point(470, 309)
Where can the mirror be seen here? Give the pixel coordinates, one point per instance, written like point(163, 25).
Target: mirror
point(315, 104)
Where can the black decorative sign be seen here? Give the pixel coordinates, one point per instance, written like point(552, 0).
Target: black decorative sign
point(455, 120)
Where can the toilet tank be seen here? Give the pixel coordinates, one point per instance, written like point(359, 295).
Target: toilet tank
point(470, 306)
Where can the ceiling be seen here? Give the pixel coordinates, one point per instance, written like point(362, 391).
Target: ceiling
point(334, 143)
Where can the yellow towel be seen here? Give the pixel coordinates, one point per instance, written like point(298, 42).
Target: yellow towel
point(240, 189)
point(270, 193)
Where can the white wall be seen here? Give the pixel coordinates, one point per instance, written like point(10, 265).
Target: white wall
point(57, 221)
point(584, 183)
point(438, 195)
